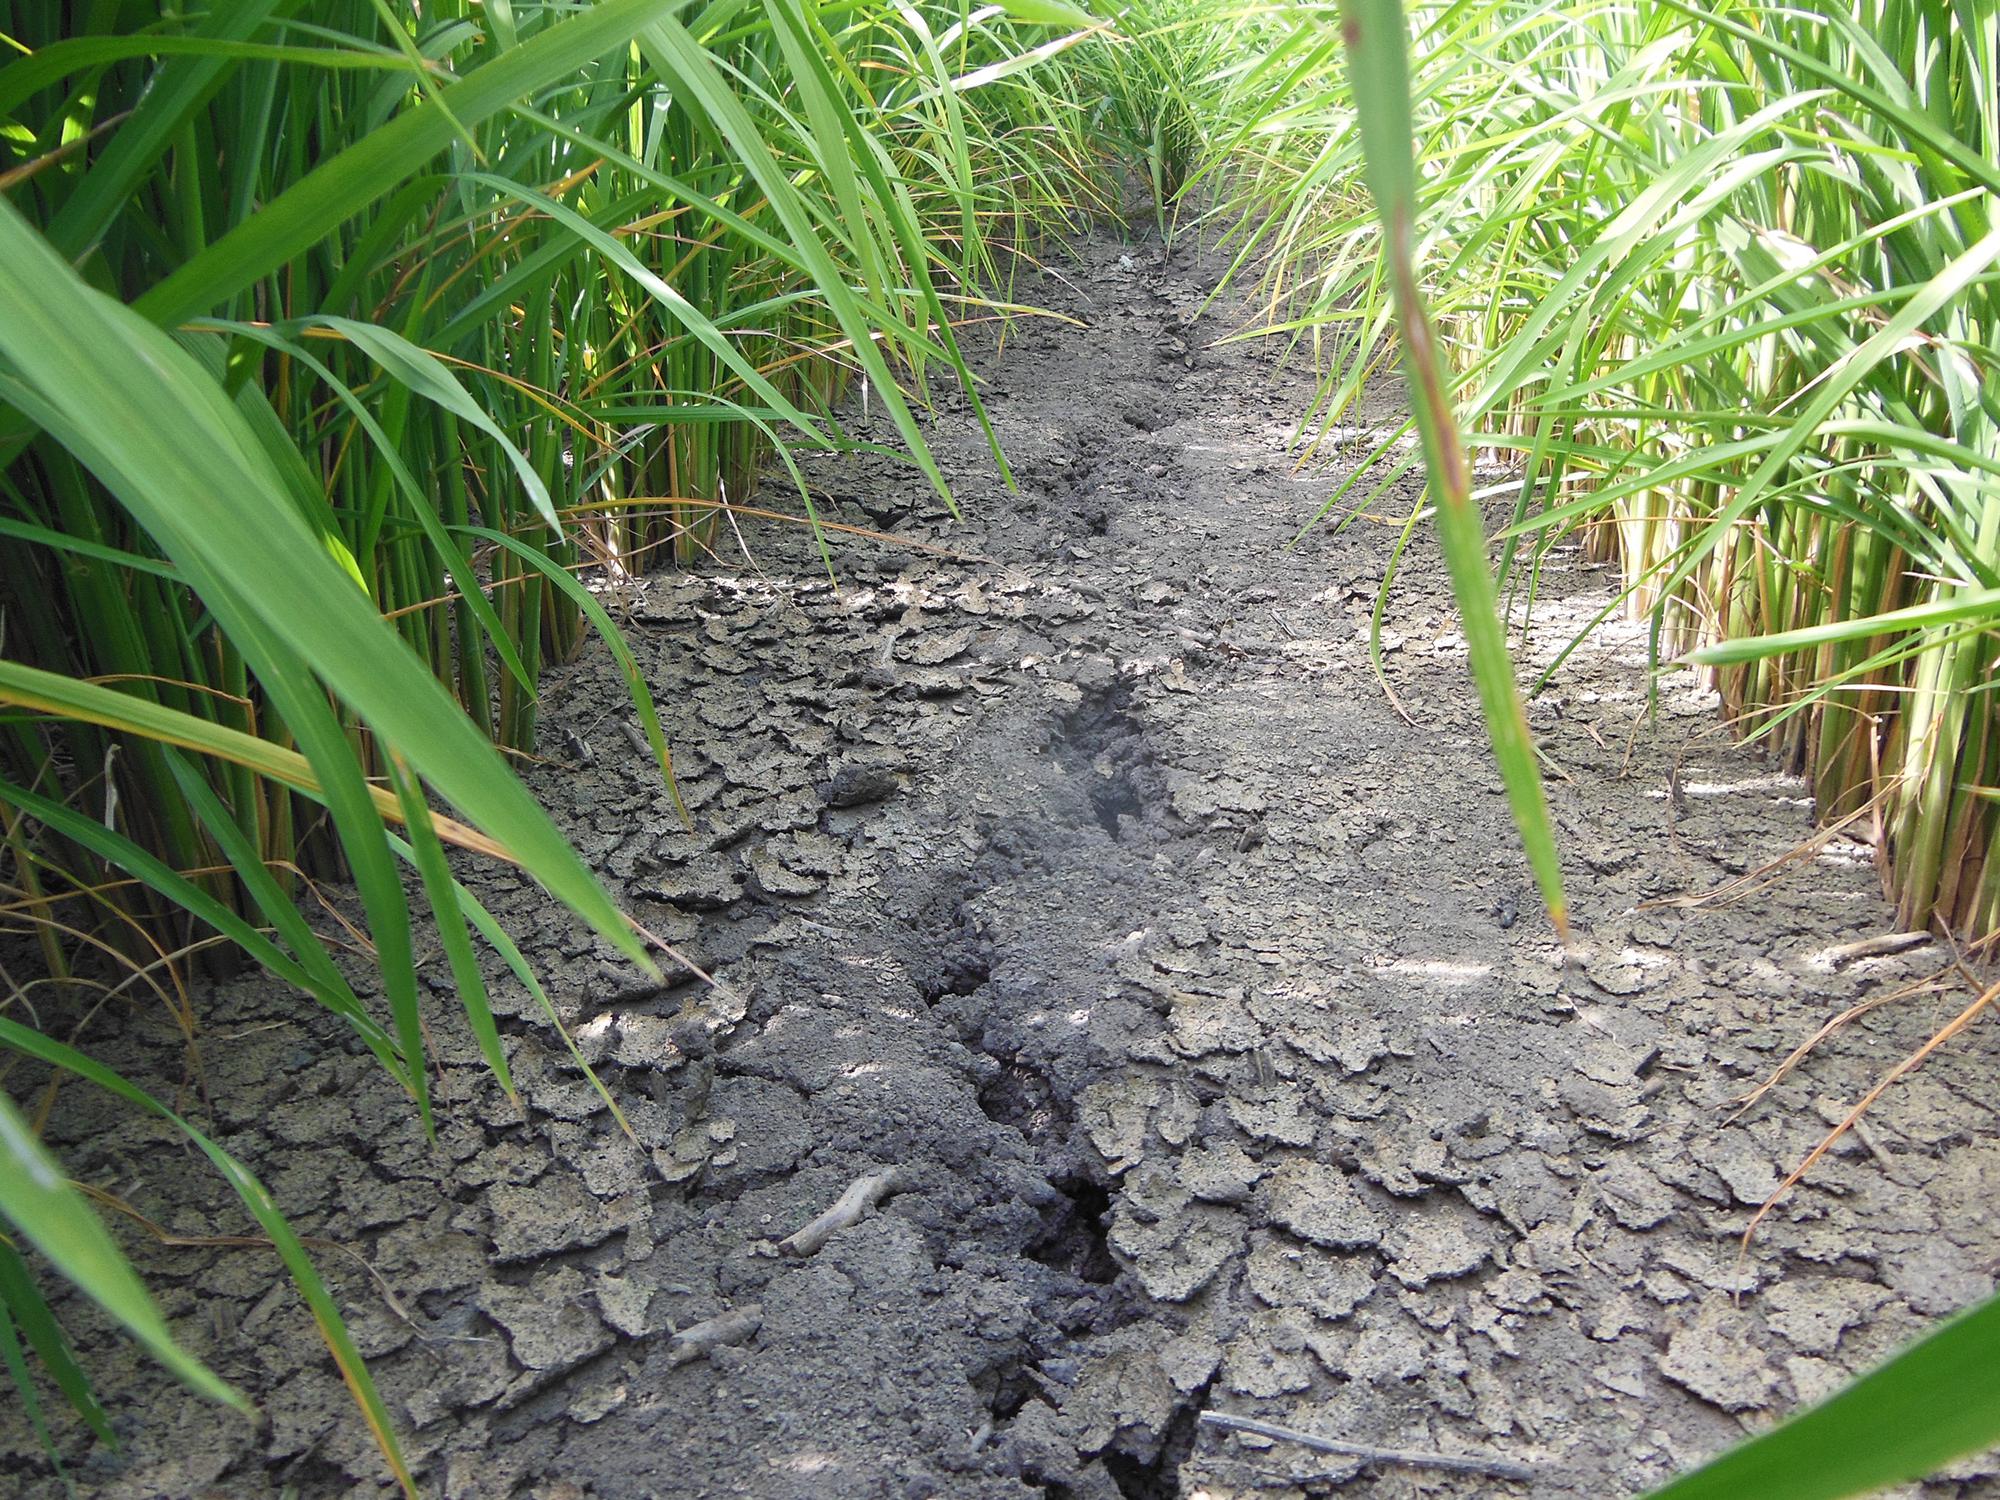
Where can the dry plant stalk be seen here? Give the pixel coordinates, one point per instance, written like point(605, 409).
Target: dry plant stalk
point(1744, 1102)
point(862, 1194)
point(1908, 1065)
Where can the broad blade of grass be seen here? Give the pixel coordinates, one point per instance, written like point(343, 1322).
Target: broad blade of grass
point(1378, 69)
point(1972, 604)
point(37, 1199)
point(1934, 1401)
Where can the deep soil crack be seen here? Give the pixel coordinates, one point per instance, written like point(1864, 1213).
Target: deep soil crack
point(1074, 1237)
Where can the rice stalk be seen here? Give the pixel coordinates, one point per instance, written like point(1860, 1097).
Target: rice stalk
point(1717, 287)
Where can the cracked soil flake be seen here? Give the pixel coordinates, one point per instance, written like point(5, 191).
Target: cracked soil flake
point(1284, 1273)
point(554, 1215)
point(1632, 1195)
point(1220, 1174)
point(1745, 1168)
point(548, 1323)
point(1813, 1312)
point(1318, 1203)
point(1115, 1113)
point(1213, 1023)
point(1715, 1358)
point(1271, 1358)
point(1434, 1248)
point(1125, 1392)
point(1177, 1256)
point(1272, 1113)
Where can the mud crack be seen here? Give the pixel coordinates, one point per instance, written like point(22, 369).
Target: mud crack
point(1105, 750)
point(1075, 1238)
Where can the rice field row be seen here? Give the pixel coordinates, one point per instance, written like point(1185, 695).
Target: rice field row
point(345, 346)
point(1717, 289)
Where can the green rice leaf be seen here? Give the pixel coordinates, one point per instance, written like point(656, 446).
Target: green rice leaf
point(1970, 604)
point(1378, 68)
point(20, 1297)
point(37, 1199)
point(1930, 1404)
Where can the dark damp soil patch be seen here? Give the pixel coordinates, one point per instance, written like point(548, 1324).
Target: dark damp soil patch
point(938, 936)
point(1023, 1098)
point(1103, 746)
point(1073, 1238)
point(1159, 1477)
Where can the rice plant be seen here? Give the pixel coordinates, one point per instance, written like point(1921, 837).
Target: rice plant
point(1717, 285)
point(1156, 94)
point(335, 341)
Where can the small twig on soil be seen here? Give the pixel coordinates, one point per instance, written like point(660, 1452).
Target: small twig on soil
point(699, 1339)
point(1908, 1065)
point(862, 1194)
point(1879, 946)
point(1466, 1463)
point(1743, 1102)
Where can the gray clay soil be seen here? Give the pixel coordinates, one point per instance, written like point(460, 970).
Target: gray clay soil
point(1197, 998)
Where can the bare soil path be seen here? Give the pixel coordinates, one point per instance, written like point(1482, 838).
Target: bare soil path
point(1187, 1009)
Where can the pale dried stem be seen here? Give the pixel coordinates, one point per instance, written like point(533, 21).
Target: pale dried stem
point(1908, 1065)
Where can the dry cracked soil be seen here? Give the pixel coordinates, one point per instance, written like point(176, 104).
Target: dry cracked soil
point(1181, 1000)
